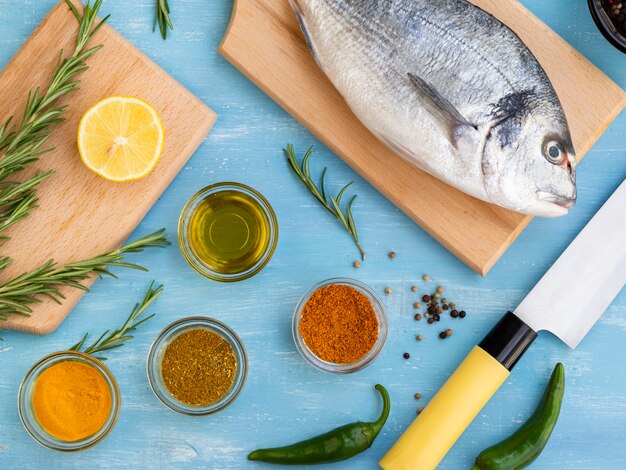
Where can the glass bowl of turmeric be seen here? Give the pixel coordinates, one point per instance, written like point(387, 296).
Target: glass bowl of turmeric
point(340, 326)
point(69, 401)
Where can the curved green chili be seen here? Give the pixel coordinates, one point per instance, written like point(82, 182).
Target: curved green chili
point(339, 444)
point(525, 445)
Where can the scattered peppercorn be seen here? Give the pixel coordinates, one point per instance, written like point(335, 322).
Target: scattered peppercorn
point(436, 295)
point(417, 305)
point(427, 315)
point(436, 317)
point(438, 310)
point(418, 317)
point(454, 313)
point(413, 288)
point(462, 314)
point(452, 305)
point(392, 255)
point(440, 289)
point(419, 410)
point(431, 320)
point(445, 306)
point(417, 396)
point(406, 356)
point(444, 300)
point(419, 337)
point(356, 264)
point(426, 277)
point(432, 310)
point(387, 290)
point(448, 332)
point(426, 298)
point(443, 335)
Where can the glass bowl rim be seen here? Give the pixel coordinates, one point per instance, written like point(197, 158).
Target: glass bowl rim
point(52, 442)
point(187, 211)
point(366, 360)
point(601, 22)
point(172, 330)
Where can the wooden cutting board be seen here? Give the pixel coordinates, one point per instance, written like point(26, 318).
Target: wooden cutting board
point(265, 43)
point(82, 215)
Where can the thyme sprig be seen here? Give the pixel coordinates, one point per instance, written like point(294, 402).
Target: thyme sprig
point(162, 18)
point(18, 294)
point(23, 143)
point(331, 203)
point(116, 338)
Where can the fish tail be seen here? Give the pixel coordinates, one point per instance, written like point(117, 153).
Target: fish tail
point(295, 5)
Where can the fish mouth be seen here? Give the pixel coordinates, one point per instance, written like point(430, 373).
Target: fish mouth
point(552, 205)
point(564, 202)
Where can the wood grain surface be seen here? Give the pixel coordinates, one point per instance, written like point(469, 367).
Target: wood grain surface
point(285, 399)
point(81, 214)
point(264, 42)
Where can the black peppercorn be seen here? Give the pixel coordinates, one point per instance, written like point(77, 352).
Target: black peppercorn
point(418, 317)
point(406, 356)
point(445, 306)
point(443, 335)
point(462, 314)
point(432, 310)
point(454, 313)
point(426, 298)
point(436, 317)
point(431, 320)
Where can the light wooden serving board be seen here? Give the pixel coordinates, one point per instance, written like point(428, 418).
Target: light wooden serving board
point(82, 215)
point(265, 43)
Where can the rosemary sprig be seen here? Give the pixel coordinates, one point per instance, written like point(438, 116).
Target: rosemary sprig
point(162, 18)
point(116, 338)
point(23, 143)
point(17, 294)
point(331, 203)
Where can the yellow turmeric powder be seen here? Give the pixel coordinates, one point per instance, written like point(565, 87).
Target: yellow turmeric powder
point(71, 400)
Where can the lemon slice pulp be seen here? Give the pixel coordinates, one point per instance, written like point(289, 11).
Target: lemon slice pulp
point(121, 138)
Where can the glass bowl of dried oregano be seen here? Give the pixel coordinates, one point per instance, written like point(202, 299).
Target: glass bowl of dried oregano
point(197, 366)
point(340, 326)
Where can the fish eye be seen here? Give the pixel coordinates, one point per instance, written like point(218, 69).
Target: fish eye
point(554, 152)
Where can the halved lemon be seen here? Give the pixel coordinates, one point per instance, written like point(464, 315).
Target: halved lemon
point(121, 138)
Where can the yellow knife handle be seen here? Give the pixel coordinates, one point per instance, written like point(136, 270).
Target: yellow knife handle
point(449, 413)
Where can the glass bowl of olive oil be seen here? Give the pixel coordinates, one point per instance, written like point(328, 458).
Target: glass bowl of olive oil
point(228, 232)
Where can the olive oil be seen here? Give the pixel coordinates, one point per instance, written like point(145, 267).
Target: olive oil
point(229, 232)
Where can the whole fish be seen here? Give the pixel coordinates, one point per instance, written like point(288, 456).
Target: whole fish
point(453, 90)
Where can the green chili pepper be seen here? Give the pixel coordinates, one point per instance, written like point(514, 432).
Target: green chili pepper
point(525, 445)
point(338, 444)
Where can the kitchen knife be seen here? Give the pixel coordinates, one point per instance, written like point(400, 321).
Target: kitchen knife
point(567, 301)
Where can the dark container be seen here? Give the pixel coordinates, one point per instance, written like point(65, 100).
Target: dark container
point(605, 25)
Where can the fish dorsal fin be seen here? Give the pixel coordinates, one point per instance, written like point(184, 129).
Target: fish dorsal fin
point(445, 114)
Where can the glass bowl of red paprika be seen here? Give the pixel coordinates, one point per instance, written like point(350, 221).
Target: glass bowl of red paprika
point(69, 401)
point(340, 326)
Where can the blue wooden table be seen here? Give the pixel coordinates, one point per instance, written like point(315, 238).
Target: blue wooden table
point(285, 399)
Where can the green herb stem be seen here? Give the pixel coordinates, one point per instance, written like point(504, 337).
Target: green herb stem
point(331, 203)
point(116, 338)
point(18, 294)
point(162, 18)
point(23, 143)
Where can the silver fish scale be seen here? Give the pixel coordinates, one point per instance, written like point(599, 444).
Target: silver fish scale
point(425, 38)
point(452, 90)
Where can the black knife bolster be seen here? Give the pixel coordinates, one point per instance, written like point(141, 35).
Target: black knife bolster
point(508, 340)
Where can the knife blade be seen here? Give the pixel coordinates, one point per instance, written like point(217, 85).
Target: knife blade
point(582, 283)
point(567, 301)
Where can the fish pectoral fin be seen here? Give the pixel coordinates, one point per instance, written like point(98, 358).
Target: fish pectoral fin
point(449, 119)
